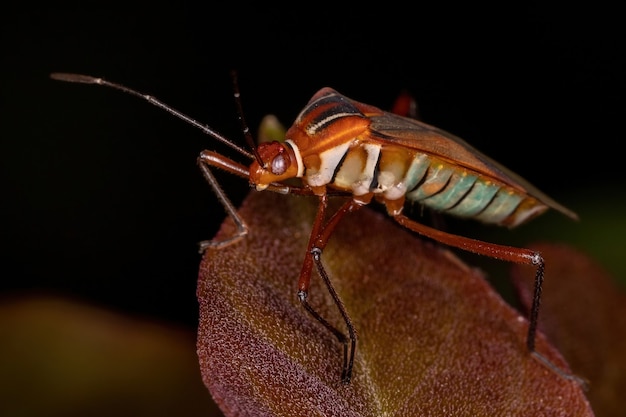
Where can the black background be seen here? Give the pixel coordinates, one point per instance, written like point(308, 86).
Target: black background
point(101, 196)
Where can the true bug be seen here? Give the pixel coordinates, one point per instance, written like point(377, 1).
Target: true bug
point(338, 146)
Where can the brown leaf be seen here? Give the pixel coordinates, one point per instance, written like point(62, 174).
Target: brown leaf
point(60, 357)
point(584, 315)
point(434, 338)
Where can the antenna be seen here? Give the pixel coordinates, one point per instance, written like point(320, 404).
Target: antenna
point(87, 79)
point(242, 120)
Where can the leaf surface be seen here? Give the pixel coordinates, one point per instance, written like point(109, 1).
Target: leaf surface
point(434, 338)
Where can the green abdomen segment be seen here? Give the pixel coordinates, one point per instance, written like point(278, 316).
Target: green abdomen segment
point(452, 189)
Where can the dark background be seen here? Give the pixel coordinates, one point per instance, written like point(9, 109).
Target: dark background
point(101, 196)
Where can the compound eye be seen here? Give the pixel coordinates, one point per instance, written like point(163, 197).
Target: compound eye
point(280, 163)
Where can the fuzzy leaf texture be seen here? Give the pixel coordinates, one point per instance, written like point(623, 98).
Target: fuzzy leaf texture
point(434, 339)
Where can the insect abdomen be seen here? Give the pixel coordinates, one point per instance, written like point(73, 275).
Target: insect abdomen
point(464, 193)
point(393, 172)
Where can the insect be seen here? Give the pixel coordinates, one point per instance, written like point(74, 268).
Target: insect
point(338, 146)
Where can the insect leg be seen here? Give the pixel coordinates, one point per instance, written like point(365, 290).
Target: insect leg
point(206, 159)
point(317, 242)
point(506, 253)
